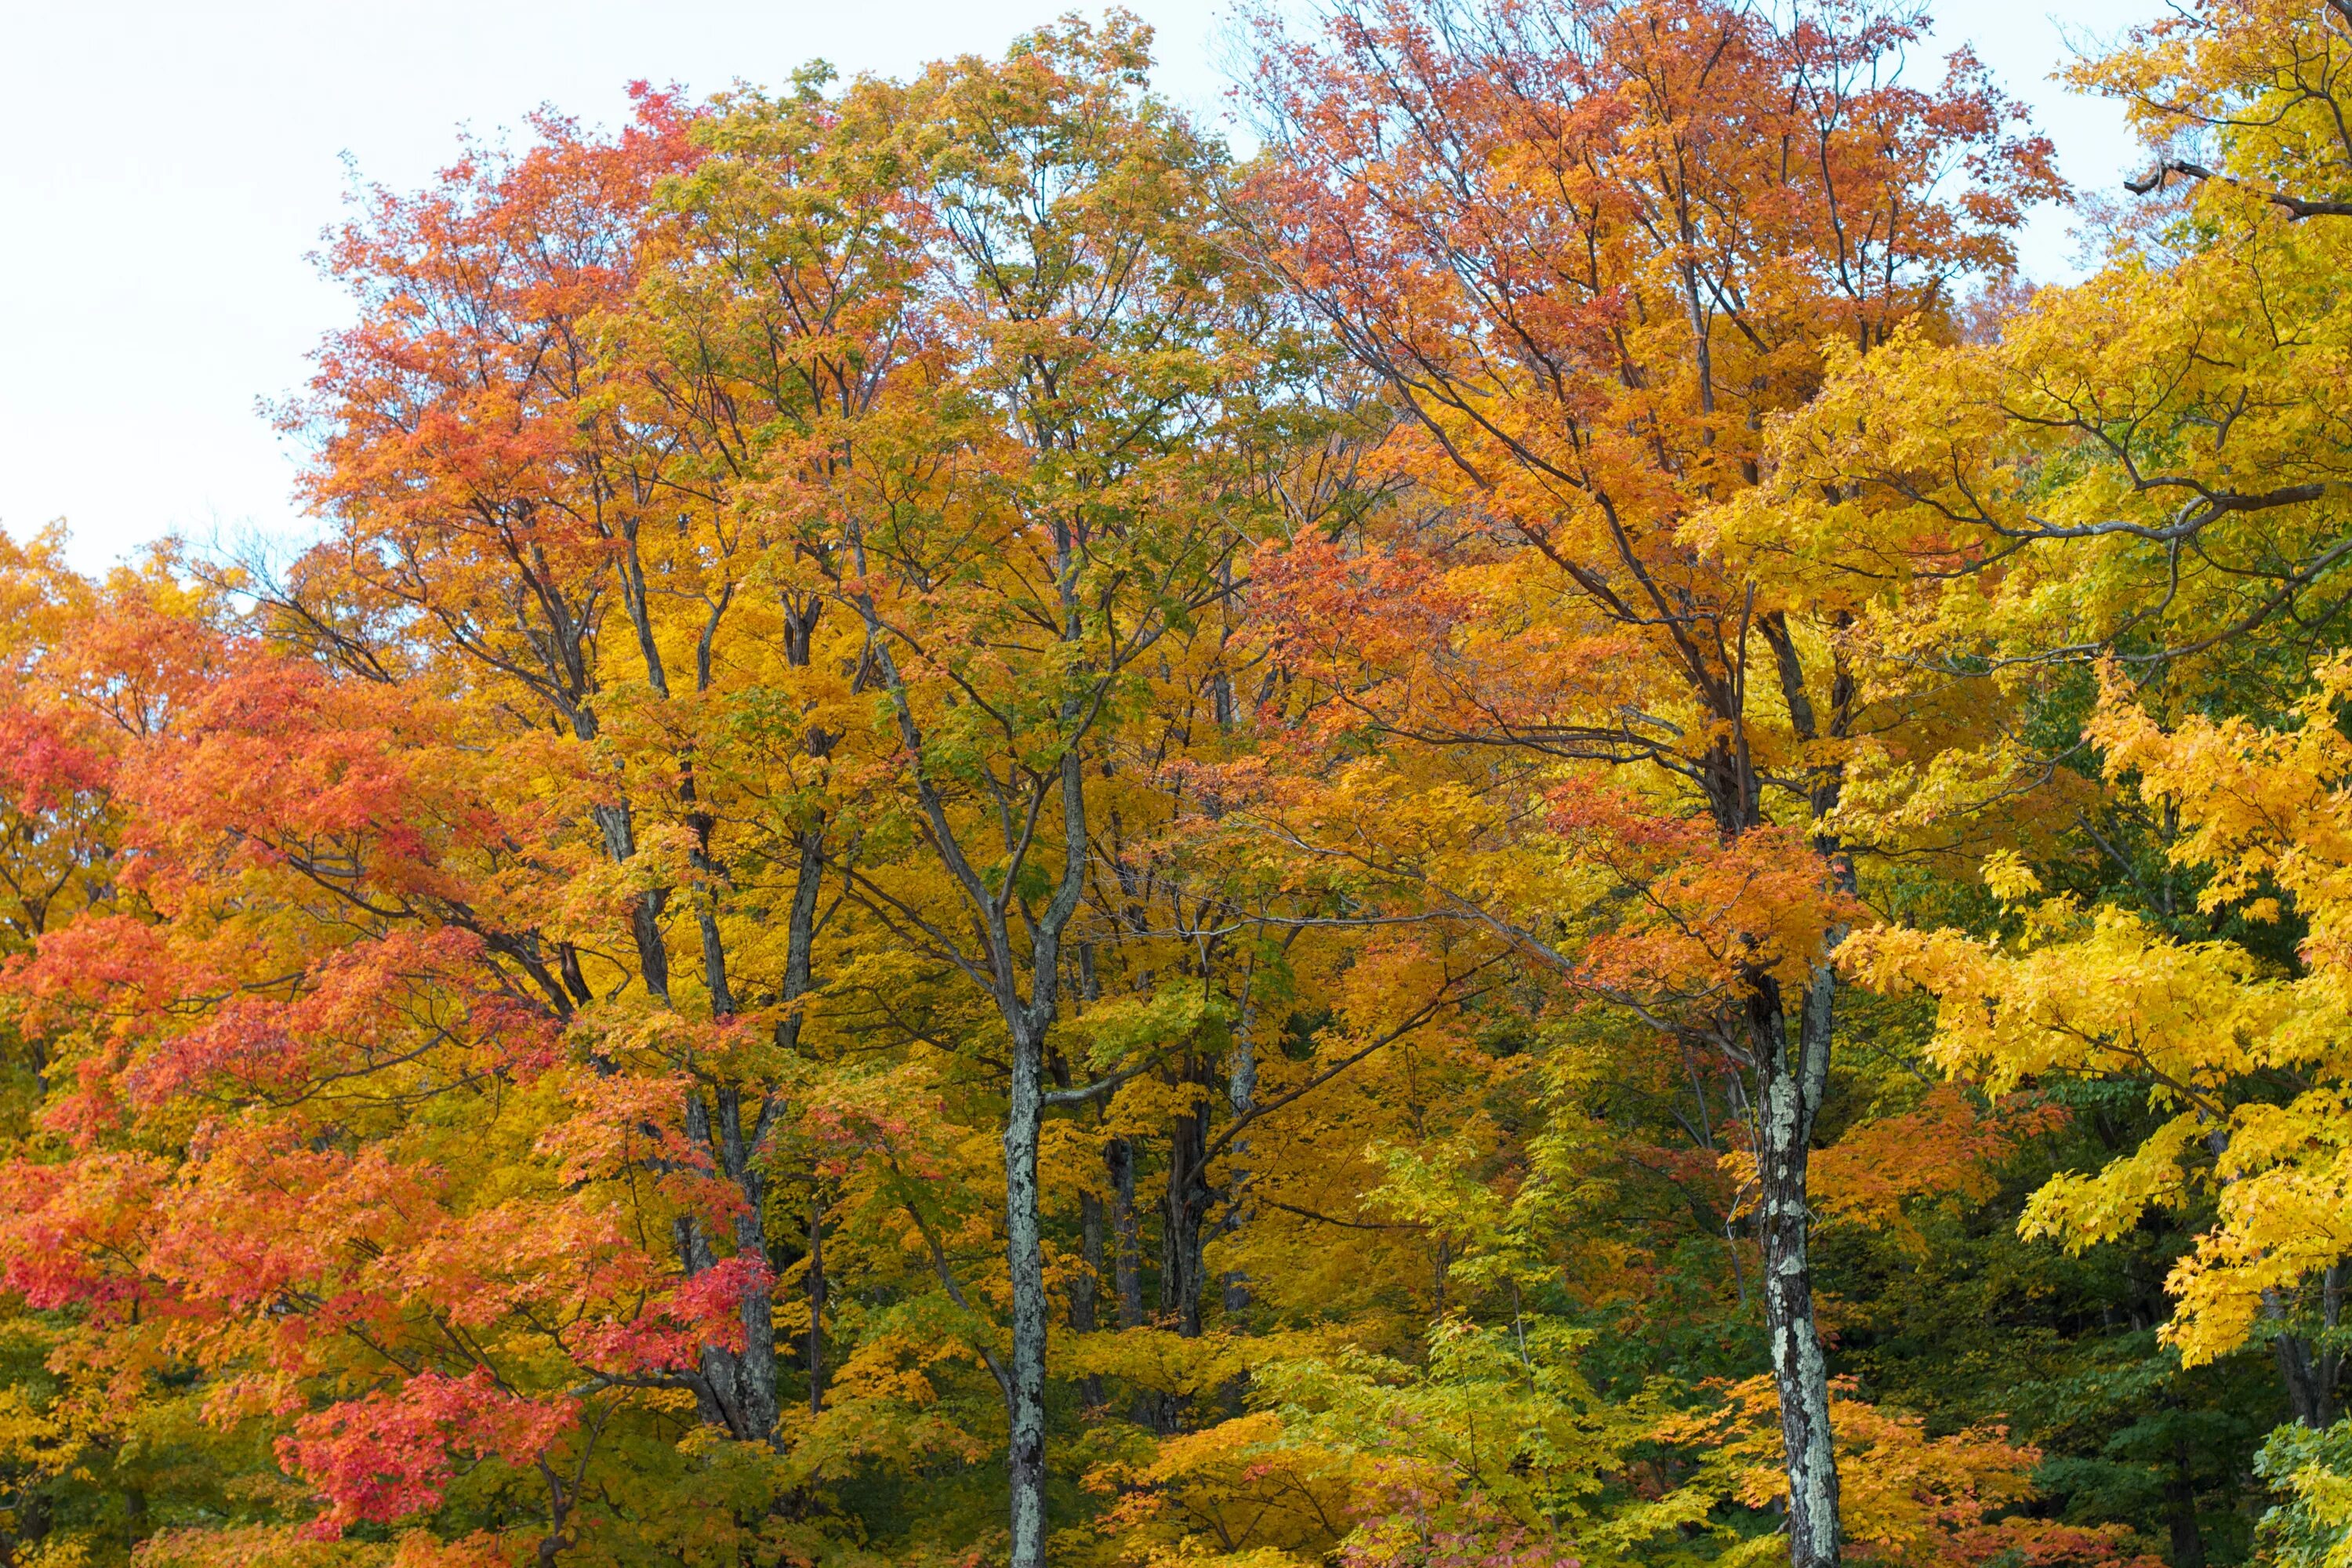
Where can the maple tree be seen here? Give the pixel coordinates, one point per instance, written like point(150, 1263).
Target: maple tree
point(1589, 250)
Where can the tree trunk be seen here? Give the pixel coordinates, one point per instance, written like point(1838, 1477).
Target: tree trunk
point(2329, 1362)
point(1241, 1094)
point(755, 1368)
point(1183, 1275)
point(1183, 1212)
point(1026, 1021)
point(2308, 1394)
point(1127, 1241)
point(737, 1390)
point(1086, 1290)
point(644, 910)
point(1025, 1389)
point(1790, 1082)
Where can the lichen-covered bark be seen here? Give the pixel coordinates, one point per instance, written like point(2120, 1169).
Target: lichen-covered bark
point(1025, 1261)
point(1791, 1075)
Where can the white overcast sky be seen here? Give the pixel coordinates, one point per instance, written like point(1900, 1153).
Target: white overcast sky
point(166, 165)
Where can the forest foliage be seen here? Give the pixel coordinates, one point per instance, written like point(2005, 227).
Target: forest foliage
point(1530, 833)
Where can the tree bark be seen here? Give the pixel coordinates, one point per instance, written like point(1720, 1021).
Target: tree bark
point(737, 1389)
point(1024, 1253)
point(1086, 1291)
point(755, 1368)
point(2309, 1394)
point(1792, 1078)
point(1182, 1276)
point(1241, 1094)
point(1127, 1261)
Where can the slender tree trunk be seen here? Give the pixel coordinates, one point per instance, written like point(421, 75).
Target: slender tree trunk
point(1126, 1240)
point(737, 1390)
point(1183, 1236)
point(1026, 1021)
point(2187, 1542)
point(755, 1368)
point(644, 910)
point(1241, 1095)
point(1025, 1391)
point(1086, 1290)
point(2308, 1374)
point(2309, 1394)
point(1791, 1077)
point(714, 1388)
point(1183, 1211)
point(2330, 1360)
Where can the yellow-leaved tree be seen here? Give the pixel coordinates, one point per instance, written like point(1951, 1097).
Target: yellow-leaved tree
point(2252, 1066)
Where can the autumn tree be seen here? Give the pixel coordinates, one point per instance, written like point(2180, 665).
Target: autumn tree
point(1589, 251)
point(1072, 498)
point(2140, 471)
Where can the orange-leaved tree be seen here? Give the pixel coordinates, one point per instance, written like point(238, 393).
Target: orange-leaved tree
point(318, 1147)
point(1589, 249)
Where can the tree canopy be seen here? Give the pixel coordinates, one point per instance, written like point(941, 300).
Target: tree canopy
point(1533, 832)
